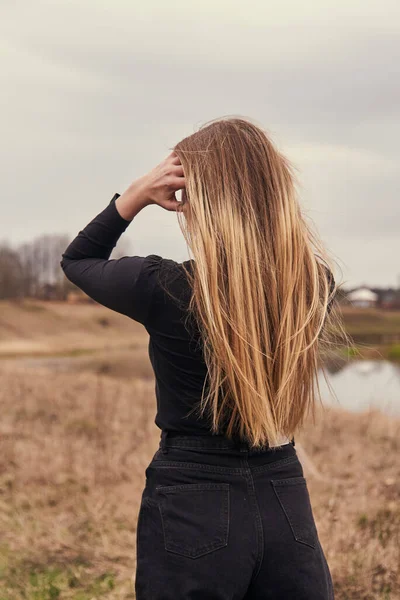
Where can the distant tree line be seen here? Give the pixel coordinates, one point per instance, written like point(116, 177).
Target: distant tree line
point(32, 269)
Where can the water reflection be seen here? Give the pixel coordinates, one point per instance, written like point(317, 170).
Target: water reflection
point(362, 384)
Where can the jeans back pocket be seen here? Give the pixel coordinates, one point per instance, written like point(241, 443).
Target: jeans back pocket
point(195, 517)
point(295, 501)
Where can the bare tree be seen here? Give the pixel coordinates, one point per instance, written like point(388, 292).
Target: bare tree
point(33, 268)
point(10, 273)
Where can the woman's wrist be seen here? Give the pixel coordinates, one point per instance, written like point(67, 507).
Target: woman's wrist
point(133, 200)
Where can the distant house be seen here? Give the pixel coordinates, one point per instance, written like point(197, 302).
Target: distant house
point(362, 297)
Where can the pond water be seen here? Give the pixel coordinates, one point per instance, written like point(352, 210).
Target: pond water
point(363, 384)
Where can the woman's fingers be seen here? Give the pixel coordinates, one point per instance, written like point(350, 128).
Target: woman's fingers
point(178, 171)
point(174, 158)
point(177, 183)
point(165, 180)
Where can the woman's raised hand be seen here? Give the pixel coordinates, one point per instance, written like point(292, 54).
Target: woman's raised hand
point(163, 181)
point(158, 186)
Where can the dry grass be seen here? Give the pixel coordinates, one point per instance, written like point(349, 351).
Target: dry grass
point(74, 446)
point(355, 489)
point(72, 456)
point(73, 449)
point(34, 327)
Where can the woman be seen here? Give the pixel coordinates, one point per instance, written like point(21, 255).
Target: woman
point(235, 337)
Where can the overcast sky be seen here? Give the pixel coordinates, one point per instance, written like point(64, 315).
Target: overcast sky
point(94, 94)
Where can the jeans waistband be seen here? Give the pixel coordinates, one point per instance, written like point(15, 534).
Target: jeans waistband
point(172, 439)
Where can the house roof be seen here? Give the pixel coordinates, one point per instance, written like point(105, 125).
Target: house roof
point(362, 294)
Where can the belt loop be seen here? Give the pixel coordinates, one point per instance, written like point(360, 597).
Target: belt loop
point(164, 448)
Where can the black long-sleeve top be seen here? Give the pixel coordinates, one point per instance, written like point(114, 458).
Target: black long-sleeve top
point(135, 286)
point(140, 287)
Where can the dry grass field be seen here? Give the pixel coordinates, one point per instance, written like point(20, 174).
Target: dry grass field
point(74, 445)
point(35, 328)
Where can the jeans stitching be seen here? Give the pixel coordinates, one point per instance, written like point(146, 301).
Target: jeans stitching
point(189, 487)
point(163, 527)
point(275, 464)
point(159, 464)
point(291, 481)
point(252, 493)
point(164, 464)
point(259, 527)
point(298, 540)
point(221, 542)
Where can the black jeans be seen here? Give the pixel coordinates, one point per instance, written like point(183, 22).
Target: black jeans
point(218, 521)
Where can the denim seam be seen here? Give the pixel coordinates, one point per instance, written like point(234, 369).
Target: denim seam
point(299, 480)
point(259, 526)
point(221, 542)
point(252, 493)
point(298, 539)
point(162, 464)
point(190, 487)
point(276, 464)
point(229, 470)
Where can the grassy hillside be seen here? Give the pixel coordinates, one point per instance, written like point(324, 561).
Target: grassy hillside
point(53, 328)
point(371, 320)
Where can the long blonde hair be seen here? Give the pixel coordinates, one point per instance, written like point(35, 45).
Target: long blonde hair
point(260, 292)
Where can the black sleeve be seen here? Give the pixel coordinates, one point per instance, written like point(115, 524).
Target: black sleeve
point(124, 285)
